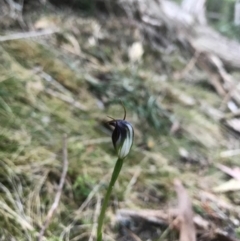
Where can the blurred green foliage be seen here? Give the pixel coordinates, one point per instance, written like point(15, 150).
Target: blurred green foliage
point(137, 98)
point(82, 186)
point(220, 14)
point(238, 232)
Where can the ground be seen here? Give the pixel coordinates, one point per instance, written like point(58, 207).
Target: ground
point(68, 83)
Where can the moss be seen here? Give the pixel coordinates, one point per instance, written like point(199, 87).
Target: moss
point(7, 145)
point(30, 54)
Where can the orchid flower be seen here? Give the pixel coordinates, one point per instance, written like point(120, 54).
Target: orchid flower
point(122, 139)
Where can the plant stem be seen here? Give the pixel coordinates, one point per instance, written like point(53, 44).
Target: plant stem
point(114, 177)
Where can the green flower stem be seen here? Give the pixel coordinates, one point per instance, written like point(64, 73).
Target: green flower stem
point(114, 177)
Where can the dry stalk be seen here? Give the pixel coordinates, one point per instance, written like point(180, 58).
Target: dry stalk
point(31, 34)
point(184, 219)
point(59, 191)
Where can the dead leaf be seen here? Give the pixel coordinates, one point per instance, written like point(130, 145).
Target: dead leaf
point(72, 44)
point(45, 23)
point(150, 143)
point(219, 201)
point(201, 223)
point(233, 172)
point(135, 52)
point(229, 153)
point(232, 185)
point(183, 153)
point(234, 124)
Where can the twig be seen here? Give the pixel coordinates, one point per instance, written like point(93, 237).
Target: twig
point(66, 99)
point(184, 218)
point(59, 191)
point(15, 8)
point(188, 67)
point(231, 115)
point(31, 34)
point(53, 82)
point(65, 94)
point(214, 77)
point(96, 214)
point(164, 234)
point(185, 215)
point(158, 217)
point(132, 182)
point(228, 80)
point(228, 96)
point(133, 236)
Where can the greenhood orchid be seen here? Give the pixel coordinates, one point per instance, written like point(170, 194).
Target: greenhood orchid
point(122, 138)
